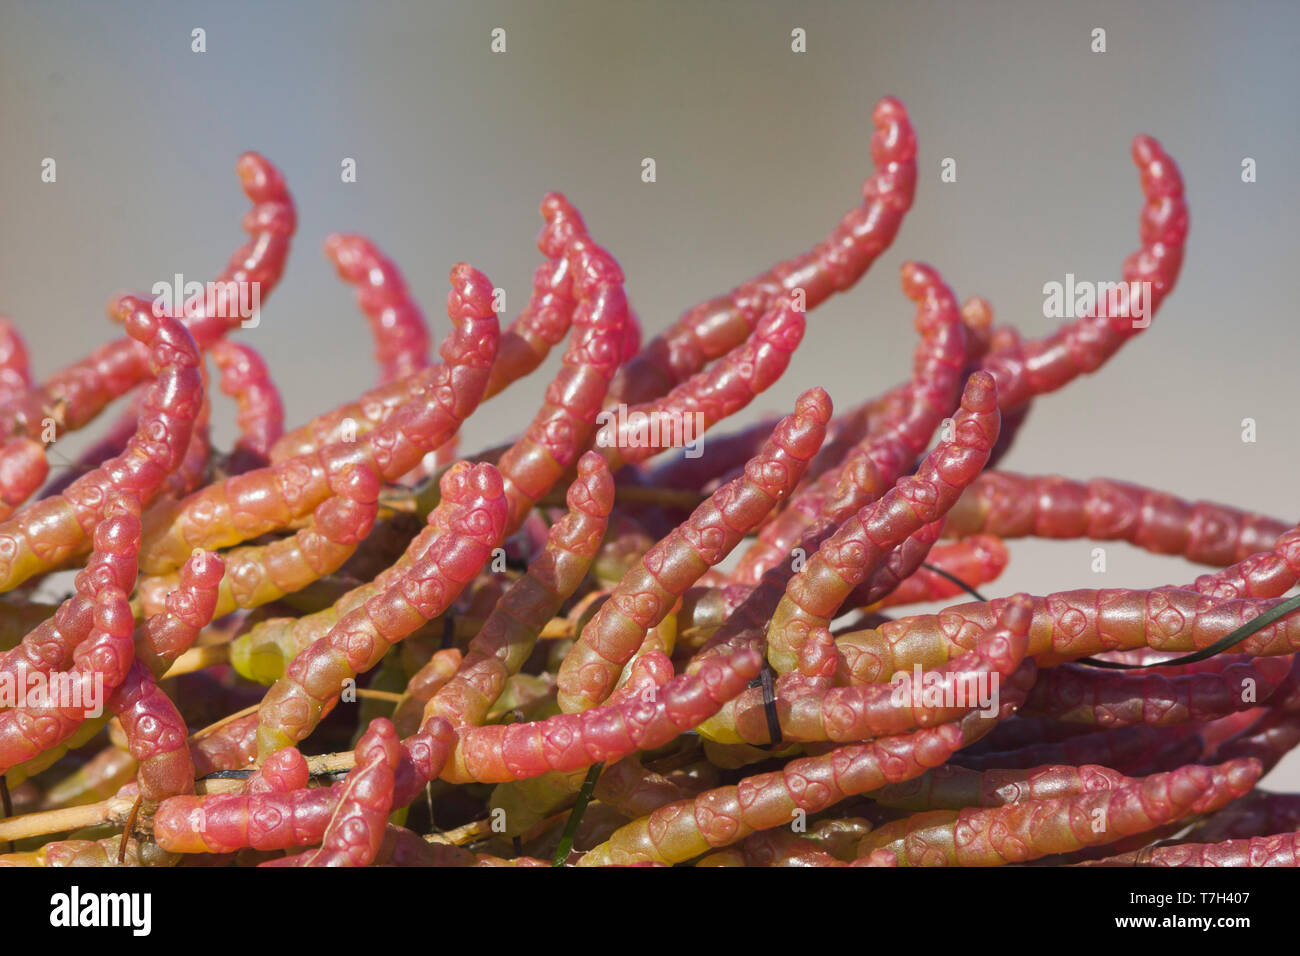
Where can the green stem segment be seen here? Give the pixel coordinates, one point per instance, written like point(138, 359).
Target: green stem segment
point(579, 808)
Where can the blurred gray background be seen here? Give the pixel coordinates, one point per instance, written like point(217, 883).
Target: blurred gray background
point(759, 152)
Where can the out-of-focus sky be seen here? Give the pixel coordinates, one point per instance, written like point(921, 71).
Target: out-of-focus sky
point(759, 150)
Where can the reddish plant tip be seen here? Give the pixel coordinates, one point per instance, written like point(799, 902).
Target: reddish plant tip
point(563, 224)
point(204, 569)
point(260, 179)
point(593, 492)
point(1160, 175)
point(471, 294)
point(814, 404)
point(918, 279)
point(347, 253)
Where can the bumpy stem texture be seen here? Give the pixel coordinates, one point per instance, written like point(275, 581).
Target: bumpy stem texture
point(863, 543)
point(267, 499)
point(315, 678)
point(506, 638)
point(1031, 829)
point(647, 593)
point(46, 533)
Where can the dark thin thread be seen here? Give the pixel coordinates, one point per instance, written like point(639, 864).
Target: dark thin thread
point(955, 580)
point(126, 831)
point(769, 706)
point(1218, 647)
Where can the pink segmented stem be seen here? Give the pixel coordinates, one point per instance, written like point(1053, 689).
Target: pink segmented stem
point(188, 608)
point(900, 564)
point(1028, 830)
point(224, 823)
point(49, 647)
point(686, 829)
point(356, 829)
point(259, 414)
point(647, 593)
point(282, 817)
point(956, 788)
point(713, 328)
point(809, 710)
point(545, 321)
point(423, 686)
point(156, 732)
point(396, 322)
point(23, 469)
point(283, 772)
point(561, 429)
point(1069, 625)
point(156, 735)
point(1115, 699)
point(265, 499)
point(192, 472)
point(894, 437)
point(158, 642)
point(15, 370)
point(979, 559)
point(1080, 347)
point(506, 639)
point(266, 648)
point(46, 533)
point(1017, 506)
point(684, 414)
point(498, 752)
point(864, 542)
point(259, 574)
point(110, 443)
point(100, 664)
point(853, 427)
point(1265, 574)
point(81, 391)
point(315, 678)
point(523, 346)
point(1278, 849)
